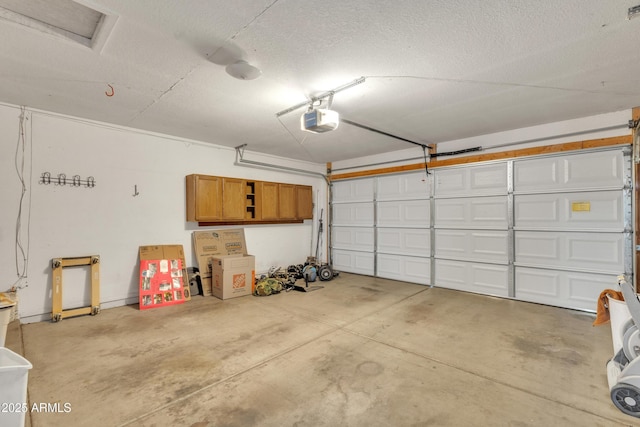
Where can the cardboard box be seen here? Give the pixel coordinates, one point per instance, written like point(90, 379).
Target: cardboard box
point(159, 252)
point(162, 252)
point(218, 244)
point(232, 275)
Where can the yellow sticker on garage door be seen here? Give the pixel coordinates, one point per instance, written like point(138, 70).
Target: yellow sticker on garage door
point(581, 206)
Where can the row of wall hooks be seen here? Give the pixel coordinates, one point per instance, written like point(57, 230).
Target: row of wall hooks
point(61, 179)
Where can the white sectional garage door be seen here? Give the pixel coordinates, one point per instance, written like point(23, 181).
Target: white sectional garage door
point(352, 229)
point(550, 229)
point(472, 228)
point(403, 221)
point(572, 223)
point(381, 226)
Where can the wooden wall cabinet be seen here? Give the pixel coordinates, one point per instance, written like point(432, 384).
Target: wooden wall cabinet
point(304, 200)
point(204, 194)
point(287, 201)
point(268, 197)
point(233, 199)
point(215, 200)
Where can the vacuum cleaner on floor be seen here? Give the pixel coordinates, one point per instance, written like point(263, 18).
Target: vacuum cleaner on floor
point(623, 370)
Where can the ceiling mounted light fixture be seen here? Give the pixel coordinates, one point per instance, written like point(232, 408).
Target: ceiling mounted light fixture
point(243, 70)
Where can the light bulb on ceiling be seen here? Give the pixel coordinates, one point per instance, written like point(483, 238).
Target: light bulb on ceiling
point(243, 70)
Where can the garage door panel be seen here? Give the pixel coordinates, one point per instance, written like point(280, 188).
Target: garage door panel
point(493, 210)
point(586, 288)
point(389, 266)
point(451, 274)
point(353, 191)
point(561, 288)
point(603, 210)
point(492, 278)
point(353, 262)
point(413, 213)
point(353, 238)
point(404, 241)
point(451, 212)
point(353, 214)
point(473, 277)
point(472, 245)
point(593, 169)
point(598, 252)
point(472, 213)
point(403, 187)
point(488, 178)
point(579, 171)
point(409, 269)
point(537, 285)
point(471, 180)
point(536, 247)
point(536, 175)
point(538, 210)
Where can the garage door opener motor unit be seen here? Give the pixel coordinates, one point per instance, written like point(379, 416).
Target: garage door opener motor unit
point(319, 120)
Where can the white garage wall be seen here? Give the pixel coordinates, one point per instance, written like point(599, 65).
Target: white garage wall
point(108, 220)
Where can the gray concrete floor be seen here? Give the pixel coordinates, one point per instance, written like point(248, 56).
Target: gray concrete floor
point(360, 352)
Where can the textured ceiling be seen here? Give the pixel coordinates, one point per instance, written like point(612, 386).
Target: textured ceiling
point(435, 71)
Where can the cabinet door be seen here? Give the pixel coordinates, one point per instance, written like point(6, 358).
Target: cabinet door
point(233, 198)
point(269, 201)
point(203, 198)
point(304, 197)
point(287, 197)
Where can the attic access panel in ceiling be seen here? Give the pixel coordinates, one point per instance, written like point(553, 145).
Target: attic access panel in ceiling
point(66, 19)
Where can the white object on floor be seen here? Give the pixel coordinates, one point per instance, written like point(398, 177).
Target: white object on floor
point(14, 373)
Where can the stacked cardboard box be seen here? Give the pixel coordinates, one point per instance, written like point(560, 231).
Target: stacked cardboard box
point(226, 270)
